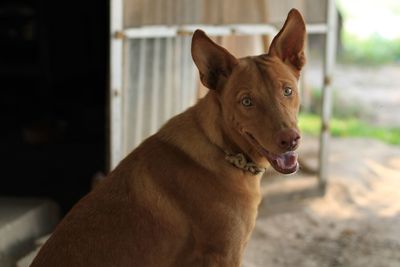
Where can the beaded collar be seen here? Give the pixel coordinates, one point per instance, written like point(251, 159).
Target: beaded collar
point(240, 161)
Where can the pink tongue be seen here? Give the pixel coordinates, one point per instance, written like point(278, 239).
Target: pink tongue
point(287, 160)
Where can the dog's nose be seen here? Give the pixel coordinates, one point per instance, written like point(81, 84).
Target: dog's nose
point(288, 139)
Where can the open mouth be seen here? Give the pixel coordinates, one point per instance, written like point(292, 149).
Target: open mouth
point(285, 163)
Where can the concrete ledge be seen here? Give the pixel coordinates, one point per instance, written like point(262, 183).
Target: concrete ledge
point(22, 221)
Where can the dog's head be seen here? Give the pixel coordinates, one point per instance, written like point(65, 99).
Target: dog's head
point(259, 96)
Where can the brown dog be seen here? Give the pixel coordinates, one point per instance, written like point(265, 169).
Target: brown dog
point(188, 195)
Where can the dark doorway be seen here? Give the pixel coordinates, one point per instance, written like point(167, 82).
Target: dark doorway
point(53, 94)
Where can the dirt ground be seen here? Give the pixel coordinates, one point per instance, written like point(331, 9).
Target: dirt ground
point(356, 223)
point(376, 89)
point(372, 92)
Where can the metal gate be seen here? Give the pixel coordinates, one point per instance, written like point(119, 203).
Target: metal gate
point(152, 76)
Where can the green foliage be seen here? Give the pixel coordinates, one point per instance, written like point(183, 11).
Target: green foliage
point(340, 109)
point(373, 50)
point(311, 124)
point(369, 27)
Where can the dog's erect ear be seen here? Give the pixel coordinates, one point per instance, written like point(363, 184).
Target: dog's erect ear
point(214, 62)
point(289, 43)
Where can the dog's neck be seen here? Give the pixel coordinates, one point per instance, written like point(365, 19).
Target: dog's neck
point(237, 150)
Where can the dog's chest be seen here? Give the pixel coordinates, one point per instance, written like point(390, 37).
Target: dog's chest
point(225, 228)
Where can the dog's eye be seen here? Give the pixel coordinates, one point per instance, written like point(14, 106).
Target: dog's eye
point(287, 91)
point(246, 101)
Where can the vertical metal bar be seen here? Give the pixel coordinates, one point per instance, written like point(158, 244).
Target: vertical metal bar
point(158, 12)
point(127, 70)
point(168, 65)
point(183, 71)
point(155, 89)
point(140, 93)
point(116, 73)
point(130, 94)
point(162, 83)
point(192, 78)
point(155, 114)
point(147, 14)
point(169, 12)
point(329, 62)
point(176, 89)
point(194, 83)
point(176, 17)
point(187, 11)
point(168, 89)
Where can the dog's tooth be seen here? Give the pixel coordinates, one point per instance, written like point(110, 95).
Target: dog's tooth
point(281, 162)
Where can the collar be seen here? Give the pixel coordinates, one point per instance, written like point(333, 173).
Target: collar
point(240, 162)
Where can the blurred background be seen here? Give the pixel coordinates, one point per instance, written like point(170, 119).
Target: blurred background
point(82, 83)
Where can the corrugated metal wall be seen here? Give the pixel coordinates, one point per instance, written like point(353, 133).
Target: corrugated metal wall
point(160, 82)
point(218, 12)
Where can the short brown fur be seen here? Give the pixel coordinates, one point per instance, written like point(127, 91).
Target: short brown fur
point(175, 200)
